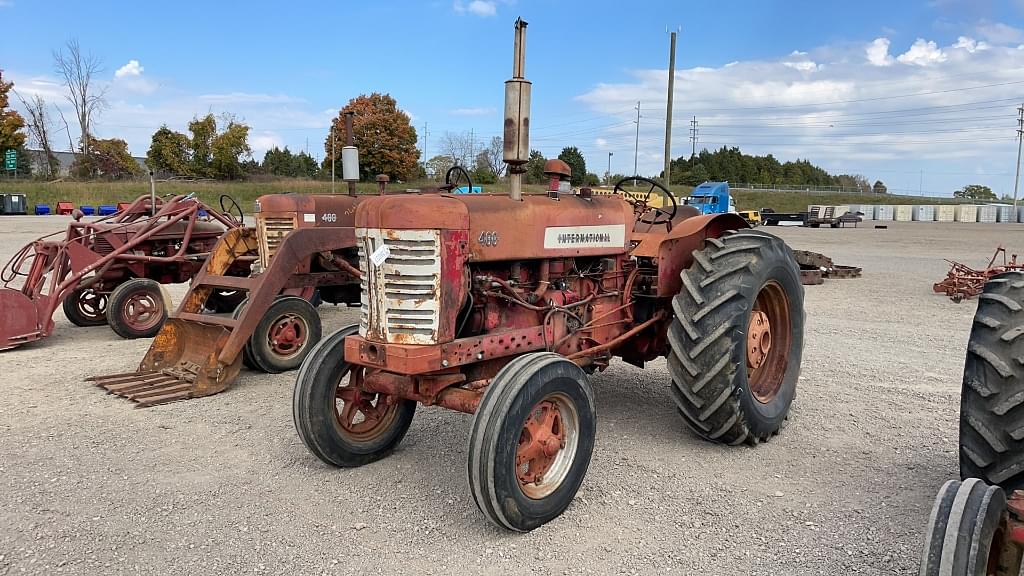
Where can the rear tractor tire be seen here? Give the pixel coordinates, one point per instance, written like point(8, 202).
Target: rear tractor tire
point(284, 336)
point(992, 396)
point(531, 442)
point(337, 421)
point(138, 308)
point(86, 307)
point(736, 338)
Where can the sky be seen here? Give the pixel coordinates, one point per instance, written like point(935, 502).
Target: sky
point(921, 94)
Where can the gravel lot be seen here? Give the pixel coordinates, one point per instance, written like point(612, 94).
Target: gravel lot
point(89, 485)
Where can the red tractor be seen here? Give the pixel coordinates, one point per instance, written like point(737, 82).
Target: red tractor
point(111, 270)
point(500, 306)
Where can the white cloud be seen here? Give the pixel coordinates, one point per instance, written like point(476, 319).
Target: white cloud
point(999, 33)
point(261, 142)
point(970, 44)
point(601, 143)
point(481, 111)
point(877, 52)
point(477, 7)
point(132, 68)
point(922, 53)
point(6, 3)
point(803, 65)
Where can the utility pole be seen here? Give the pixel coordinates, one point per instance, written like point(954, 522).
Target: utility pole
point(1020, 139)
point(668, 109)
point(333, 157)
point(424, 146)
point(693, 137)
point(350, 141)
point(608, 174)
point(636, 146)
point(920, 184)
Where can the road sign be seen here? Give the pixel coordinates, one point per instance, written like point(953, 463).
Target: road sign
point(11, 160)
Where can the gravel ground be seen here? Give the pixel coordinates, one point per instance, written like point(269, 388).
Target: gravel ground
point(89, 485)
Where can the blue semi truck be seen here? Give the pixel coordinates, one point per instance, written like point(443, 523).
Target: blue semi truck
point(712, 198)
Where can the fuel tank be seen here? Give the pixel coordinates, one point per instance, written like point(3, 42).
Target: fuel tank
point(504, 229)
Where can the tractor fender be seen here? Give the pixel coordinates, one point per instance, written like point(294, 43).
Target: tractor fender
point(674, 251)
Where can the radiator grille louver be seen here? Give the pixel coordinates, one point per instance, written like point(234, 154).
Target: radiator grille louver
point(272, 231)
point(400, 299)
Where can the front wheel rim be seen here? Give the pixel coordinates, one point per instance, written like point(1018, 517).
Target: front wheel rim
point(92, 305)
point(141, 311)
point(361, 415)
point(769, 340)
point(287, 335)
point(547, 446)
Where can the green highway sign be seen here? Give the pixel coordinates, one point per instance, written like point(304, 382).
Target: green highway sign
point(11, 160)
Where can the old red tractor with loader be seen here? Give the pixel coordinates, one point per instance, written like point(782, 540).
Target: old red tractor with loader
point(111, 270)
point(500, 307)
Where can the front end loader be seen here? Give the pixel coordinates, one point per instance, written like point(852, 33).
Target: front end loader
point(305, 248)
point(111, 270)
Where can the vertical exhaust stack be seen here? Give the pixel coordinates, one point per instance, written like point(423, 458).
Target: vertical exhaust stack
point(517, 116)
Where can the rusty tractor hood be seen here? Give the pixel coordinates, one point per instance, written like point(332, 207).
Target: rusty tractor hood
point(504, 229)
point(311, 210)
point(201, 229)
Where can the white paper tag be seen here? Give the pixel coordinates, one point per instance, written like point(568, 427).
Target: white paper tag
point(309, 217)
point(380, 255)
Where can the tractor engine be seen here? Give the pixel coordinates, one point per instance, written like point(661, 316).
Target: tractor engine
point(439, 268)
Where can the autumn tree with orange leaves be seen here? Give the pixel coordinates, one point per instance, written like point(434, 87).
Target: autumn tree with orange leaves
point(384, 135)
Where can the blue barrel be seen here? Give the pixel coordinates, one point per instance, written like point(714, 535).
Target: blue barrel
point(42, 209)
point(87, 210)
point(107, 209)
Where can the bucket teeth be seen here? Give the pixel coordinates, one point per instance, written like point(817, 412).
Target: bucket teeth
point(148, 388)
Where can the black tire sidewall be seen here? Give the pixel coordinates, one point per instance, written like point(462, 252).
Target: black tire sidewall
point(770, 415)
point(314, 402)
point(259, 348)
point(72, 310)
point(521, 512)
point(115, 307)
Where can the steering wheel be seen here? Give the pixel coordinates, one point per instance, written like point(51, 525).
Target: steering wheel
point(640, 205)
point(454, 177)
point(226, 208)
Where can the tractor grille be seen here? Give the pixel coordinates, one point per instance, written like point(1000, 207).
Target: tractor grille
point(272, 231)
point(102, 245)
point(400, 298)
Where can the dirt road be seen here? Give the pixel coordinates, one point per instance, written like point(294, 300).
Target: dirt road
point(89, 485)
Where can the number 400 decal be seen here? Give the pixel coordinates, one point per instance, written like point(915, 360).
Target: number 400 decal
point(329, 217)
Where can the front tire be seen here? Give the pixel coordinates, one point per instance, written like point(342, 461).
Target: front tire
point(284, 335)
point(992, 396)
point(532, 439)
point(967, 532)
point(337, 422)
point(138, 308)
point(736, 338)
point(86, 307)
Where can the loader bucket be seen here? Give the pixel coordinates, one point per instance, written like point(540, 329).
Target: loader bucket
point(19, 319)
point(180, 364)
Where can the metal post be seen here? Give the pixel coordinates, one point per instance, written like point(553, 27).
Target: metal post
point(1020, 138)
point(349, 139)
point(152, 194)
point(608, 174)
point(517, 114)
point(668, 111)
point(693, 137)
point(636, 145)
point(334, 157)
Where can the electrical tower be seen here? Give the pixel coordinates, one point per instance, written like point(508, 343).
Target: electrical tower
point(636, 146)
point(694, 135)
point(1020, 139)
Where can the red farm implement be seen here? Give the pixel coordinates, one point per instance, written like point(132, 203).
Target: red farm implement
point(111, 270)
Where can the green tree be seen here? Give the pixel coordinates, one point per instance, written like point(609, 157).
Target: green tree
point(382, 132)
point(11, 123)
point(592, 179)
point(697, 175)
point(572, 156)
point(229, 147)
point(203, 130)
point(169, 152)
point(279, 162)
point(975, 192)
point(535, 168)
point(438, 166)
point(107, 158)
point(879, 188)
point(305, 165)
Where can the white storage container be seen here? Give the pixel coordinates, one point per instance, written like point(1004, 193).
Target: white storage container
point(1005, 213)
point(840, 210)
point(966, 213)
point(923, 213)
point(1020, 213)
point(945, 213)
point(902, 212)
point(866, 210)
point(987, 213)
point(883, 212)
